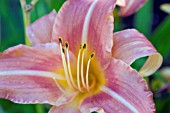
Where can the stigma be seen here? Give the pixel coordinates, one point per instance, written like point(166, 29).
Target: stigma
point(80, 81)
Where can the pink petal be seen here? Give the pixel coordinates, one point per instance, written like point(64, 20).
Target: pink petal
point(67, 108)
point(131, 6)
point(26, 74)
point(40, 31)
point(130, 45)
point(89, 19)
point(29, 89)
point(122, 82)
point(44, 57)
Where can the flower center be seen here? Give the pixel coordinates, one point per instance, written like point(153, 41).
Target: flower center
point(83, 79)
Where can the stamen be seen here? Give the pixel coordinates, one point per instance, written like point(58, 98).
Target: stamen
point(64, 63)
point(82, 63)
point(78, 73)
point(87, 71)
point(68, 62)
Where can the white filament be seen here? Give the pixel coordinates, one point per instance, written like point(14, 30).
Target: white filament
point(87, 76)
point(65, 67)
point(82, 77)
point(69, 69)
point(78, 73)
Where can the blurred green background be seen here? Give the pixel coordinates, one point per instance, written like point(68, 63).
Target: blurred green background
point(150, 20)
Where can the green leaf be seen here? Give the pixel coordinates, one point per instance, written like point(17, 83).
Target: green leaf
point(57, 5)
point(143, 19)
point(161, 37)
point(39, 108)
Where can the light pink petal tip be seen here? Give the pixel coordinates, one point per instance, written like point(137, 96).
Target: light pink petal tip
point(130, 6)
point(125, 92)
point(130, 45)
point(88, 21)
point(40, 31)
point(26, 74)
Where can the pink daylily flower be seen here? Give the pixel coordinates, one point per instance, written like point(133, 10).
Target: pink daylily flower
point(95, 76)
point(128, 7)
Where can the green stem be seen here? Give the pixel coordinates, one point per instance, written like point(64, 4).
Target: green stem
point(33, 2)
point(26, 18)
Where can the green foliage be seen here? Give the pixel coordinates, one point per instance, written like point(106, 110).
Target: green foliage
point(161, 37)
point(143, 19)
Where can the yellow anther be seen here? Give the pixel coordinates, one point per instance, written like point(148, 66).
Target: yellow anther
point(66, 44)
point(84, 46)
point(92, 55)
point(60, 40)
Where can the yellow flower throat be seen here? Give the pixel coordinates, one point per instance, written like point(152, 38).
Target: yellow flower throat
point(86, 76)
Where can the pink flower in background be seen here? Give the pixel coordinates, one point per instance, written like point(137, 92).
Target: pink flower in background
point(128, 7)
point(78, 65)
